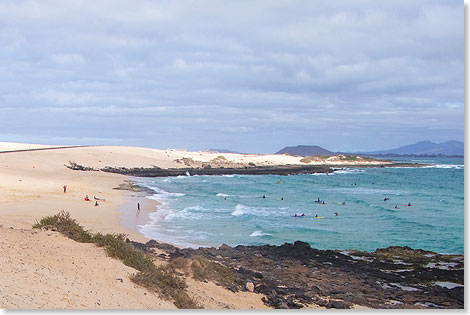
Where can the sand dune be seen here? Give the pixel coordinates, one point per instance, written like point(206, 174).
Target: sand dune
point(43, 269)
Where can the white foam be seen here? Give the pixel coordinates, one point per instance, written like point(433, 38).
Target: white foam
point(195, 208)
point(183, 214)
point(258, 233)
point(240, 210)
point(160, 193)
point(223, 195)
point(257, 211)
point(348, 171)
point(454, 166)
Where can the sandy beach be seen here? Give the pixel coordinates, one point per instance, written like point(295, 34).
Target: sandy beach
point(31, 182)
point(43, 269)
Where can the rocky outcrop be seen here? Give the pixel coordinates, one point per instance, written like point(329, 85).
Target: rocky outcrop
point(296, 275)
point(246, 170)
point(252, 169)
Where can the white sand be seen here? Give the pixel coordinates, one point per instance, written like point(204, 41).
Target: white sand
point(43, 269)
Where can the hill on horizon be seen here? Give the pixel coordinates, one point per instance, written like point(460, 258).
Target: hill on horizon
point(305, 150)
point(452, 147)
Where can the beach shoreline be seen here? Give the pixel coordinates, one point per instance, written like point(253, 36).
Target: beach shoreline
point(40, 183)
point(133, 218)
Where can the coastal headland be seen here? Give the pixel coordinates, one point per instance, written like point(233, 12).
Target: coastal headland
point(41, 268)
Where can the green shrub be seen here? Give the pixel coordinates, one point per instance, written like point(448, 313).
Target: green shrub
point(116, 247)
point(204, 269)
point(161, 279)
point(64, 223)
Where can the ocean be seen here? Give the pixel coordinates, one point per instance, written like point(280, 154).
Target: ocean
point(212, 210)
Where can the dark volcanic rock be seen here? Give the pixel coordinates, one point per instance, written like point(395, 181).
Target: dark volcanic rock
point(253, 170)
point(338, 304)
point(294, 275)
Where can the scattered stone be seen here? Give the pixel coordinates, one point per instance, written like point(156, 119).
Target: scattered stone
point(297, 271)
point(338, 304)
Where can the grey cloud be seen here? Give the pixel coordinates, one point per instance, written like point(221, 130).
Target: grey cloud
point(338, 74)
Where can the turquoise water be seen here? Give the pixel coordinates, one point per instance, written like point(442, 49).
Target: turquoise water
point(212, 210)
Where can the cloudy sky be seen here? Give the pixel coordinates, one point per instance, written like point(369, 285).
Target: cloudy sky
point(250, 76)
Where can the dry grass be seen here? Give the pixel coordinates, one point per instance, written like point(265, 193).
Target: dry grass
point(161, 279)
point(203, 269)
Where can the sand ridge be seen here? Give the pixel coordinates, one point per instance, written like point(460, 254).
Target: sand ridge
point(43, 269)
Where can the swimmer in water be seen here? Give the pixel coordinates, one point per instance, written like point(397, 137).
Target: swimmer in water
point(336, 213)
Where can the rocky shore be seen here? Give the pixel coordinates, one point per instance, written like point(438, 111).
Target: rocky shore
point(240, 170)
point(296, 275)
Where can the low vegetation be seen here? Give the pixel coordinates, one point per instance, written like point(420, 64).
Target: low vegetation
point(77, 167)
point(341, 157)
point(308, 159)
point(220, 158)
point(203, 269)
point(185, 161)
point(161, 279)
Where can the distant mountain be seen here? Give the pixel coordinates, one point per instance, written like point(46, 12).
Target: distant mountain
point(305, 150)
point(426, 148)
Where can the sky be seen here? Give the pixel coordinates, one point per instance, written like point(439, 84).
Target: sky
point(249, 76)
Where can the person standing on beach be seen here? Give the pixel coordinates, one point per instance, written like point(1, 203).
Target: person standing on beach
point(65, 189)
point(138, 206)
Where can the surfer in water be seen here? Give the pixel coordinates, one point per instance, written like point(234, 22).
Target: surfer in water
point(396, 207)
point(316, 215)
point(336, 213)
point(409, 204)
